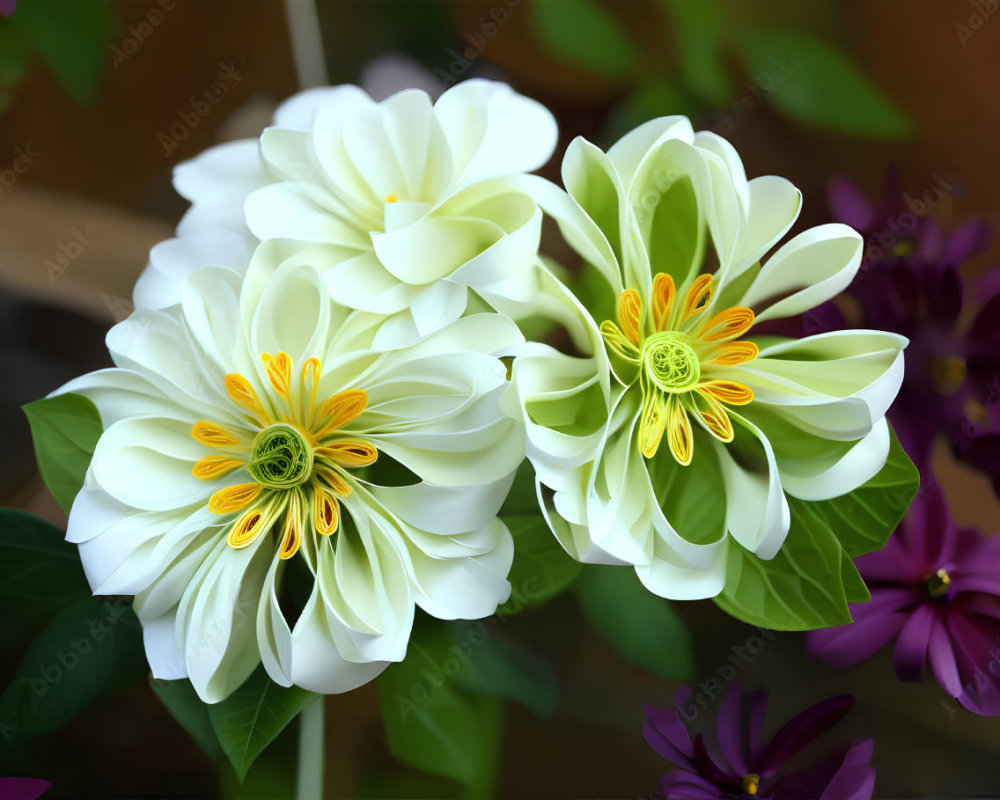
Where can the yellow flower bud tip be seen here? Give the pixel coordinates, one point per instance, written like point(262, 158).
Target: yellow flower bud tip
point(298, 459)
point(680, 342)
point(391, 198)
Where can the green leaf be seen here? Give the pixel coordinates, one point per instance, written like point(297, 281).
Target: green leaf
point(249, 719)
point(432, 725)
point(643, 628)
point(809, 583)
point(190, 712)
point(71, 37)
point(810, 81)
point(89, 650)
point(585, 35)
point(40, 572)
point(541, 568)
point(14, 52)
point(698, 38)
point(498, 667)
point(65, 430)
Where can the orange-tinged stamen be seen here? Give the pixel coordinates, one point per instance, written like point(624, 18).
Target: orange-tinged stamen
point(630, 315)
point(212, 435)
point(726, 325)
point(326, 511)
point(652, 422)
point(732, 353)
point(714, 416)
point(341, 409)
point(729, 392)
point(245, 396)
point(679, 437)
point(247, 529)
point(698, 296)
point(349, 453)
point(234, 498)
point(336, 483)
point(279, 372)
point(211, 467)
point(391, 198)
point(663, 300)
point(291, 535)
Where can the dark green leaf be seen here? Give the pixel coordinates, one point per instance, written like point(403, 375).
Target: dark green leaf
point(656, 97)
point(65, 429)
point(541, 568)
point(498, 667)
point(582, 33)
point(40, 572)
point(249, 719)
point(190, 712)
point(698, 38)
point(90, 649)
point(432, 725)
point(808, 80)
point(71, 36)
point(643, 628)
point(14, 51)
point(809, 583)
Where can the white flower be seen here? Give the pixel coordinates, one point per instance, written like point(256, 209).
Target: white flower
point(249, 433)
point(405, 204)
point(679, 432)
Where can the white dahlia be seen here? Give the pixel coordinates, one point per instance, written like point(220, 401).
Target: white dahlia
point(272, 488)
point(405, 204)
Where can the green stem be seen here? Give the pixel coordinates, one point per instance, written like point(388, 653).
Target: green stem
point(309, 785)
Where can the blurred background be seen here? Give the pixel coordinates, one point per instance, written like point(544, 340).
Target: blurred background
point(99, 100)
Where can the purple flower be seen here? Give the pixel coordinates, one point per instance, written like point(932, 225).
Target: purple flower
point(23, 788)
point(910, 284)
point(739, 764)
point(936, 590)
point(8, 7)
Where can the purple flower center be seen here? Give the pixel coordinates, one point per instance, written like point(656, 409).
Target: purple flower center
point(947, 373)
point(938, 584)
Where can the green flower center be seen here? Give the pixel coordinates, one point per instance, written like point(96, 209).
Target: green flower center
point(281, 457)
point(938, 584)
point(670, 362)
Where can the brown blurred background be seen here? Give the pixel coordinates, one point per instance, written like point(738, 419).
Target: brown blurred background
point(98, 175)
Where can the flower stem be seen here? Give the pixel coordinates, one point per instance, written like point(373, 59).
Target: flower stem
point(309, 785)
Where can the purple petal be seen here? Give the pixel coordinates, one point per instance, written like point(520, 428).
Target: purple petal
point(802, 730)
point(682, 785)
point(875, 624)
point(667, 735)
point(986, 325)
point(911, 646)
point(756, 711)
point(969, 239)
point(855, 780)
point(23, 788)
point(729, 729)
point(929, 533)
point(976, 641)
point(942, 659)
point(706, 763)
point(849, 204)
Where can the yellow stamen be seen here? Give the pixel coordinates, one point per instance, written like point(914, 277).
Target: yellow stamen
point(326, 511)
point(279, 372)
point(311, 371)
point(391, 198)
point(751, 784)
point(726, 325)
point(698, 296)
point(732, 353)
point(341, 409)
point(679, 437)
point(243, 394)
point(349, 453)
point(212, 435)
point(617, 342)
point(291, 536)
point(336, 483)
point(938, 583)
point(248, 528)
point(234, 498)
point(729, 392)
point(714, 416)
point(663, 300)
point(652, 421)
point(630, 315)
point(211, 467)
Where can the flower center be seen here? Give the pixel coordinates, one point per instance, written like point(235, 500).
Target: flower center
point(947, 374)
point(670, 362)
point(751, 784)
point(938, 583)
point(281, 458)
point(299, 459)
point(681, 354)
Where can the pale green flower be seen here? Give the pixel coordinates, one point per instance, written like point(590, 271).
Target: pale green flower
point(248, 436)
point(679, 430)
